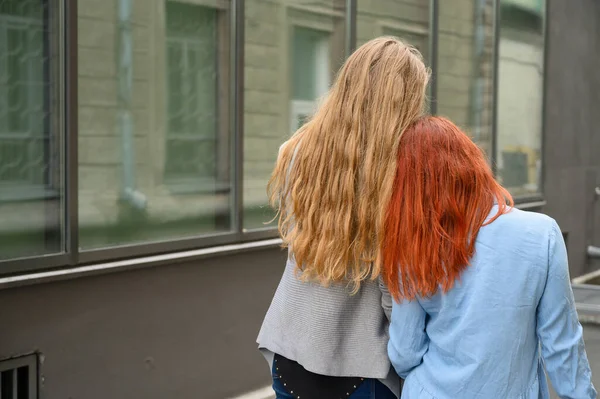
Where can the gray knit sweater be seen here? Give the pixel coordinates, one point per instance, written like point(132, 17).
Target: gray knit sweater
point(328, 331)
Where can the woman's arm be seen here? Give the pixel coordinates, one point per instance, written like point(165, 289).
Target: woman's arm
point(386, 299)
point(408, 339)
point(558, 328)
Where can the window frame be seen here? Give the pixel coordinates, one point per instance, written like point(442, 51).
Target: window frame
point(230, 28)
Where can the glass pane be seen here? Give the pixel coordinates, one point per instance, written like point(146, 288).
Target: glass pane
point(31, 189)
point(293, 49)
point(520, 95)
point(465, 75)
point(154, 144)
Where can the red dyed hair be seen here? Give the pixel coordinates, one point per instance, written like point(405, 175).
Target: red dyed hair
point(443, 193)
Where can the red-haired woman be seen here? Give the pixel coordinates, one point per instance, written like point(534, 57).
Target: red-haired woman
point(482, 292)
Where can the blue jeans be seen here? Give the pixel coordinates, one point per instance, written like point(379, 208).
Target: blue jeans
point(369, 389)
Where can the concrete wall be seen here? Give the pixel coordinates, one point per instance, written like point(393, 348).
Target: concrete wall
point(178, 331)
point(571, 135)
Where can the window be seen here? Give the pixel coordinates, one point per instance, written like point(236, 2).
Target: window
point(154, 136)
point(292, 52)
point(157, 100)
point(465, 67)
point(520, 95)
point(30, 186)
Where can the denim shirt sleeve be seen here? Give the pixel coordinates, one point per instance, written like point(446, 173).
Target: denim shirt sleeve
point(558, 328)
point(408, 340)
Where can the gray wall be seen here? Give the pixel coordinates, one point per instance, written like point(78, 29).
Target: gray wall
point(572, 125)
point(181, 331)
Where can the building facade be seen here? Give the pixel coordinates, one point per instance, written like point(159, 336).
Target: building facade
point(137, 251)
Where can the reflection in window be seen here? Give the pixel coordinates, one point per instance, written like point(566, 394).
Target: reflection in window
point(30, 206)
point(292, 52)
point(154, 137)
point(23, 137)
point(310, 72)
point(192, 92)
point(520, 95)
point(407, 20)
point(465, 67)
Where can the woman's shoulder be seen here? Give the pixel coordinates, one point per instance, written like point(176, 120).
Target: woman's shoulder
point(521, 227)
point(518, 218)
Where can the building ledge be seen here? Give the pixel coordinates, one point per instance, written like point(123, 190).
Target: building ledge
point(135, 263)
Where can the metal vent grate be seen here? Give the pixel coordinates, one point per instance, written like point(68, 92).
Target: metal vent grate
point(18, 378)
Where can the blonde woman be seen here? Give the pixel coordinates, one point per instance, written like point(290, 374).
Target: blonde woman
point(325, 334)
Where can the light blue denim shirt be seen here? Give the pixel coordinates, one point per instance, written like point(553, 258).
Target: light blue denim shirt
point(511, 313)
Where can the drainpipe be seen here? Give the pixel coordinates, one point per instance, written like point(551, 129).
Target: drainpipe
point(129, 193)
point(478, 83)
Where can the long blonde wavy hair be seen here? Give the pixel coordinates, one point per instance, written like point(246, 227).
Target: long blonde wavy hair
point(333, 179)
